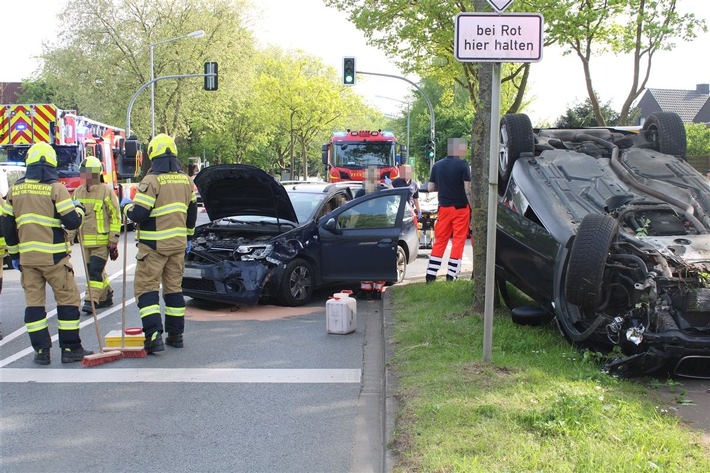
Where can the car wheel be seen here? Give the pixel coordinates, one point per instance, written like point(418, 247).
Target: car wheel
point(401, 266)
point(587, 261)
point(666, 133)
point(297, 283)
point(516, 137)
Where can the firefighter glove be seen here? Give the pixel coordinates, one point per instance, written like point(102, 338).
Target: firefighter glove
point(125, 201)
point(388, 181)
point(419, 215)
point(189, 246)
point(16, 264)
point(113, 251)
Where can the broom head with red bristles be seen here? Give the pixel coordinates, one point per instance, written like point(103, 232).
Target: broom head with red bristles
point(101, 358)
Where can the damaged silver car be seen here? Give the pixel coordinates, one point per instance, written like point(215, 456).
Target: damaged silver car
point(274, 242)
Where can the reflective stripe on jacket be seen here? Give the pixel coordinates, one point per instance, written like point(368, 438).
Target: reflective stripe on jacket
point(102, 222)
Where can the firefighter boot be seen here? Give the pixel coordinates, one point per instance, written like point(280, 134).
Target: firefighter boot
point(73, 355)
point(154, 343)
point(42, 356)
point(174, 340)
point(108, 302)
point(86, 308)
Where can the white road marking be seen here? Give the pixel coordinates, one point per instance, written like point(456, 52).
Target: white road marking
point(20, 331)
point(181, 375)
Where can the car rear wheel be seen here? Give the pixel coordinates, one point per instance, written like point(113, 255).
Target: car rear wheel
point(587, 261)
point(516, 137)
point(297, 283)
point(666, 133)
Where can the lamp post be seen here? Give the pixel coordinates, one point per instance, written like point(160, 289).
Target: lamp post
point(408, 104)
point(194, 34)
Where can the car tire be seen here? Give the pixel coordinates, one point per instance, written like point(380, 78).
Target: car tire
point(516, 137)
point(587, 261)
point(401, 266)
point(297, 283)
point(666, 133)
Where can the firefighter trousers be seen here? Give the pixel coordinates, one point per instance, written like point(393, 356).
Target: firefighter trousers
point(96, 258)
point(60, 277)
point(153, 269)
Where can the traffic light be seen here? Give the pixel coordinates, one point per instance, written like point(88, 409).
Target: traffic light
point(348, 71)
point(211, 79)
point(431, 149)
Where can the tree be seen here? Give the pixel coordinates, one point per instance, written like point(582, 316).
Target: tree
point(582, 115)
point(636, 27)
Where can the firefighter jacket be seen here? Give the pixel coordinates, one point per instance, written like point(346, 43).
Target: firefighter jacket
point(165, 209)
point(102, 222)
point(32, 220)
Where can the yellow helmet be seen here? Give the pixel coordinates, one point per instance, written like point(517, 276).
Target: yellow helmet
point(91, 164)
point(41, 152)
point(161, 144)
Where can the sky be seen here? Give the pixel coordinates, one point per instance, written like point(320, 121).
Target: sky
point(556, 83)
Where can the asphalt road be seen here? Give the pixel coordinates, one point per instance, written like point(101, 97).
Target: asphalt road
point(261, 389)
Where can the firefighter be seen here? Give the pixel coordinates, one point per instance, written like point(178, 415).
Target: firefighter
point(165, 211)
point(36, 208)
point(100, 231)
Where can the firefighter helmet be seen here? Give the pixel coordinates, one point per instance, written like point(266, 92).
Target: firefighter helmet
point(41, 152)
point(161, 144)
point(91, 164)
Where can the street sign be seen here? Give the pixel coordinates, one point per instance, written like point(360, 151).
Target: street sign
point(500, 5)
point(492, 37)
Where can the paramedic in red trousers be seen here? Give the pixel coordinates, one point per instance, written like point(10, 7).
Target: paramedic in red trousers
point(37, 210)
point(451, 178)
point(165, 211)
point(99, 232)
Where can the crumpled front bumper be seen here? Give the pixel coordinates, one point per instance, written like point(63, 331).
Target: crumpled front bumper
point(232, 282)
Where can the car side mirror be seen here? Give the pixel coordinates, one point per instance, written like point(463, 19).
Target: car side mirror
point(331, 226)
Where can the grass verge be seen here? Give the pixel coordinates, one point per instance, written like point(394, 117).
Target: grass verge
point(538, 406)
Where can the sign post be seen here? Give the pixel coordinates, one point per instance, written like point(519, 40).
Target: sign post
point(496, 38)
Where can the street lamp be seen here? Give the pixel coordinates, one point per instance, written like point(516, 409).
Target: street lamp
point(408, 104)
point(194, 34)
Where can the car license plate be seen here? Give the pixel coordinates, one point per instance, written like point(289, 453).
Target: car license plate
point(195, 273)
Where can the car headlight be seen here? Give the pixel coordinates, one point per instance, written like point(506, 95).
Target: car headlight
point(252, 252)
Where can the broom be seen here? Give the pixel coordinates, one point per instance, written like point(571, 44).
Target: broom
point(127, 352)
point(103, 356)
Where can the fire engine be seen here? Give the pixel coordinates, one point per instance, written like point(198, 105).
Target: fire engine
point(349, 153)
point(73, 137)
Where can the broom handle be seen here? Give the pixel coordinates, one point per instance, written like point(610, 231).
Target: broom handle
point(80, 235)
point(123, 298)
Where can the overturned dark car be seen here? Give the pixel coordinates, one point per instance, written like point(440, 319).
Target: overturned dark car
point(273, 242)
point(608, 230)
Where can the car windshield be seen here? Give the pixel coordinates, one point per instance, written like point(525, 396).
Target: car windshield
point(361, 155)
point(306, 204)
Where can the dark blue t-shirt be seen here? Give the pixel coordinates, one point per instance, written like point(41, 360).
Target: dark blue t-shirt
point(448, 175)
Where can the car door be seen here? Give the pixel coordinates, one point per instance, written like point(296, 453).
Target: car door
point(359, 239)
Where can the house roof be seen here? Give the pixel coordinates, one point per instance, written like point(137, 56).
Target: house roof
point(686, 103)
point(9, 91)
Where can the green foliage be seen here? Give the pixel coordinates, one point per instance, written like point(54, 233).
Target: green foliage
point(698, 138)
point(582, 115)
point(537, 406)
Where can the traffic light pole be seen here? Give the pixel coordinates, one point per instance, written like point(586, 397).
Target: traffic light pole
point(432, 136)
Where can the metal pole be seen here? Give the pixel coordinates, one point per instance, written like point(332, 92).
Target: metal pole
point(428, 102)
point(140, 89)
point(194, 34)
point(408, 150)
point(494, 149)
point(152, 95)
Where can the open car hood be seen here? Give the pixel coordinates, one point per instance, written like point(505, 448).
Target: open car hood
point(230, 190)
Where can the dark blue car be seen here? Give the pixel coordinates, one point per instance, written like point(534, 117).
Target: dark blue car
point(268, 241)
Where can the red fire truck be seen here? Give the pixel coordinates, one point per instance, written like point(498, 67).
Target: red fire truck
point(349, 153)
point(73, 137)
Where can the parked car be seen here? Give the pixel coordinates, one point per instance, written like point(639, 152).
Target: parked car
point(608, 229)
point(429, 205)
point(268, 241)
